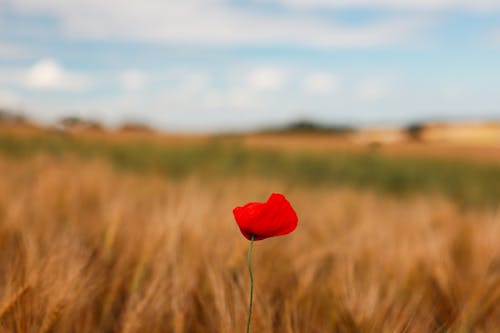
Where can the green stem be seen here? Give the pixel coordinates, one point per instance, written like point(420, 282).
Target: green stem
point(249, 262)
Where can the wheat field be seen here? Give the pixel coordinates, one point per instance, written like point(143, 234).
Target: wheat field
point(86, 248)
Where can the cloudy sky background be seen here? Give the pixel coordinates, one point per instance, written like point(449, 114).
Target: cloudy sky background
point(190, 65)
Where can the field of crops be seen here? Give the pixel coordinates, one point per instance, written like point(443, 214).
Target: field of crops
point(105, 235)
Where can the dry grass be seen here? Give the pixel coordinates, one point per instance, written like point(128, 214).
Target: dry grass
point(452, 151)
point(84, 248)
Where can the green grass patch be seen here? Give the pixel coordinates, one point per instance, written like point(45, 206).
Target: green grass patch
point(467, 183)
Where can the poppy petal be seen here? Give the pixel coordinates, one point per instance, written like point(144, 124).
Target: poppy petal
point(275, 217)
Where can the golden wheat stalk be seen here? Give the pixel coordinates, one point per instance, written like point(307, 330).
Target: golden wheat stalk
point(9, 305)
point(52, 318)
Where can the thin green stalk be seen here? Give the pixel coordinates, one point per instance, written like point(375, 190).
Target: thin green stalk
point(249, 262)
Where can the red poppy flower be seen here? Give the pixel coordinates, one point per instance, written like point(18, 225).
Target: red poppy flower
point(275, 217)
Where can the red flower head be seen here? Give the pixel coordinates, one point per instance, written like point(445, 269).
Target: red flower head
point(275, 217)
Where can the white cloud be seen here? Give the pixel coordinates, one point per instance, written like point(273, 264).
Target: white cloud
point(321, 83)
point(213, 22)
point(132, 79)
point(374, 89)
point(396, 4)
point(48, 74)
point(266, 78)
point(45, 74)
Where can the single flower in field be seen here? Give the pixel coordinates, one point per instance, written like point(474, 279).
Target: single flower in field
point(260, 220)
point(275, 217)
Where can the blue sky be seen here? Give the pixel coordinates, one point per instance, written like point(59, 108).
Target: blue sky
point(191, 65)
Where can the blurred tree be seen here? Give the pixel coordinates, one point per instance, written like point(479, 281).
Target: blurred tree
point(415, 131)
point(11, 117)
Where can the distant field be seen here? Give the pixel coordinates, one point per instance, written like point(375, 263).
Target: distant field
point(467, 181)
